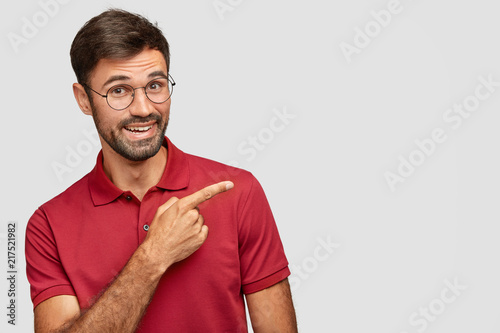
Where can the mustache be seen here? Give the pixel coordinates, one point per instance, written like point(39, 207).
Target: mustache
point(140, 120)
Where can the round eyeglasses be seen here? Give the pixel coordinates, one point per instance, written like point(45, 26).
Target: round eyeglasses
point(120, 96)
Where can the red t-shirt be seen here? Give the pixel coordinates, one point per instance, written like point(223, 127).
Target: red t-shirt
point(79, 241)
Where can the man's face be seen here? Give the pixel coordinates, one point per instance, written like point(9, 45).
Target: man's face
point(137, 132)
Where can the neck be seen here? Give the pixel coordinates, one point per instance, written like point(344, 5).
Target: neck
point(134, 176)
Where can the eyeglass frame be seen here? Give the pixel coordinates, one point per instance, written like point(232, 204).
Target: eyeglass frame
point(169, 79)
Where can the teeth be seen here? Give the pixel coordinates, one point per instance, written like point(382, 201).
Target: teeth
point(139, 129)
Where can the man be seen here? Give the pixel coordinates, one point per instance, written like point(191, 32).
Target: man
point(141, 243)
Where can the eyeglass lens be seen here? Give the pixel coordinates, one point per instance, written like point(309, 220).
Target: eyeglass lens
point(157, 91)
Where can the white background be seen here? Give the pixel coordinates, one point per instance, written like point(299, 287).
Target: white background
point(355, 118)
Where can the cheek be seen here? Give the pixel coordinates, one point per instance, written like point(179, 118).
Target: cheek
point(100, 103)
point(103, 117)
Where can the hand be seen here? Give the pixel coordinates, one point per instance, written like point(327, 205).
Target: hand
point(178, 229)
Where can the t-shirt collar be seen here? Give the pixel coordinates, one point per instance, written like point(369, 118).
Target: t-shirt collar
point(175, 176)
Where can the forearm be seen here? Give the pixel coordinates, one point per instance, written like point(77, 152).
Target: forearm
point(124, 302)
point(271, 309)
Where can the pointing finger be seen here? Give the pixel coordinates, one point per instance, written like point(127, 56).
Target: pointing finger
point(193, 200)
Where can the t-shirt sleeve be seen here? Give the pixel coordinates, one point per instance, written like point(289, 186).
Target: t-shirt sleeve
point(262, 258)
point(44, 270)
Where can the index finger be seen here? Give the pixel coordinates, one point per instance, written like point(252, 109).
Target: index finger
point(206, 193)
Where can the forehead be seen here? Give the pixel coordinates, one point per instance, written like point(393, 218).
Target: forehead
point(136, 68)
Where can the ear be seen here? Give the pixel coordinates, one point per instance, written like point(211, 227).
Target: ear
point(82, 99)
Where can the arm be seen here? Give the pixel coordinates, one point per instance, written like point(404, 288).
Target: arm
point(176, 231)
point(119, 309)
point(271, 309)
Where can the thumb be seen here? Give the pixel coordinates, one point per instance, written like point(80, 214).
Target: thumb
point(166, 206)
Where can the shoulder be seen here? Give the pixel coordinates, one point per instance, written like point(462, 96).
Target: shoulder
point(204, 172)
point(65, 201)
point(213, 171)
point(72, 194)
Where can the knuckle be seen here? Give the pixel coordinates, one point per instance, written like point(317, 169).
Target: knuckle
point(193, 214)
point(201, 238)
point(206, 194)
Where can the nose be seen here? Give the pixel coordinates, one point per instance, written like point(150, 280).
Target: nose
point(141, 106)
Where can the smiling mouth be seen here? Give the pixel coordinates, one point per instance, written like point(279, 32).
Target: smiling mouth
point(138, 129)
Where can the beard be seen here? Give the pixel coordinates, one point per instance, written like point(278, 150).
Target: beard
point(139, 150)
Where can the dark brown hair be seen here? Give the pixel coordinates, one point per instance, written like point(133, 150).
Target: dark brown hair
point(114, 34)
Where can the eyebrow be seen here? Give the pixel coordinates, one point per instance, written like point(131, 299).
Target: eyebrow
point(115, 78)
point(151, 75)
point(157, 73)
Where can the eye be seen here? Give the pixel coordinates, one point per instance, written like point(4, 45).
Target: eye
point(119, 91)
point(155, 86)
